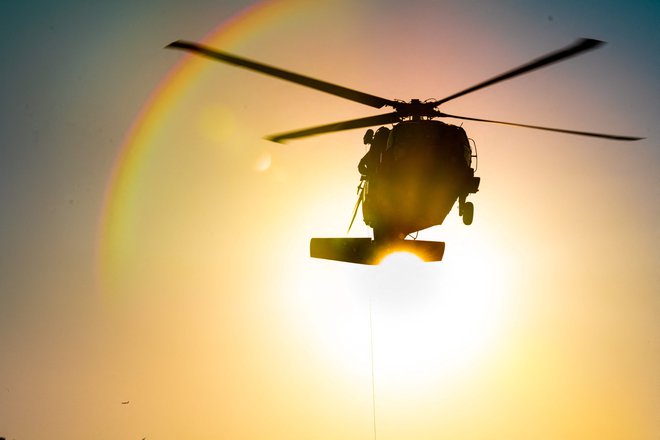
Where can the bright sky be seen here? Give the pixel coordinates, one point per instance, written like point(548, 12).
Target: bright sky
point(186, 289)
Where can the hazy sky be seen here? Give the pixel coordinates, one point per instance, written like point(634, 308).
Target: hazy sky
point(155, 247)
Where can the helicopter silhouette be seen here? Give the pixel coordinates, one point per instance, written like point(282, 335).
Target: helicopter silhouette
point(413, 173)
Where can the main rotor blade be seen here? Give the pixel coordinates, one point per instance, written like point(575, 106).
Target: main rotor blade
point(333, 89)
point(388, 118)
point(559, 130)
point(579, 46)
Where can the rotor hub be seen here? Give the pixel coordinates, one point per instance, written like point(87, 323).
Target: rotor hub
point(416, 109)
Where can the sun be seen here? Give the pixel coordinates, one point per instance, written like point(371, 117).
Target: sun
point(426, 324)
point(401, 260)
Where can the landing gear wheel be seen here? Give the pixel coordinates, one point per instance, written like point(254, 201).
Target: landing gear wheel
point(468, 213)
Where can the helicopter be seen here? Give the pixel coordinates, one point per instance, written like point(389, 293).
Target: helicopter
point(413, 173)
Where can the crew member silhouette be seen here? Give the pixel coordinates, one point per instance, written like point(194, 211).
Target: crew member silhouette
point(370, 162)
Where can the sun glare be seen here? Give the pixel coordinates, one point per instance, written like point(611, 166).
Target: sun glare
point(427, 324)
point(402, 260)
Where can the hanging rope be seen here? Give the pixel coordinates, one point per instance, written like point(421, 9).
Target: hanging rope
point(373, 380)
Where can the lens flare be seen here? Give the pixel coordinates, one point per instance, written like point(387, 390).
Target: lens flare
point(263, 162)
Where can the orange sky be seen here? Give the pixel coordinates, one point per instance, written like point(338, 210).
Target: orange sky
point(214, 322)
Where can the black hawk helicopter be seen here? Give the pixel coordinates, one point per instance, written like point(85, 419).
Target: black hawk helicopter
point(413, 173)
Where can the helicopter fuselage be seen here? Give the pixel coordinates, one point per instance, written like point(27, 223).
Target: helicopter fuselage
point(416, 177)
